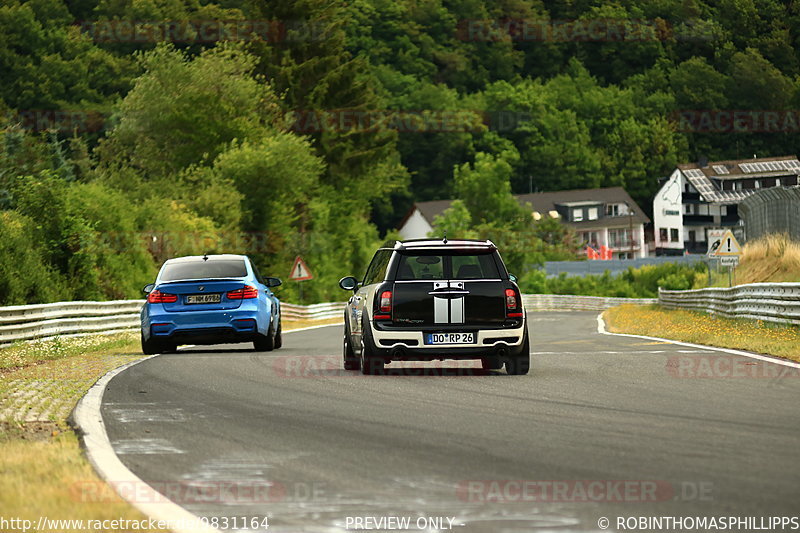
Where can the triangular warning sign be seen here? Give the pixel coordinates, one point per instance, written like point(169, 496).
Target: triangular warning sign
point(300, 271)
point(728, 246)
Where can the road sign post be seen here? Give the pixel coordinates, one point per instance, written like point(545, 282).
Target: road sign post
point(726, 249)
point(300, 272)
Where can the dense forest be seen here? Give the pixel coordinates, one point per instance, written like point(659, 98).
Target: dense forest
point(136, 130)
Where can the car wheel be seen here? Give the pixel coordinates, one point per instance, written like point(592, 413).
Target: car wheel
point(520, 364)
point(278, 336)
point(370, 364)
point(491, 363)
point(265, 343)
point(151, 346)
point(349, 359)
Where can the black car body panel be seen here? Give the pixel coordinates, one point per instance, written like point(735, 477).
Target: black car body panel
point(426, 300)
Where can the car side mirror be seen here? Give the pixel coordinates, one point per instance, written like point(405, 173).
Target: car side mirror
point(348, 283)
point(512, 277)
point(273, 282)
point(147, 289)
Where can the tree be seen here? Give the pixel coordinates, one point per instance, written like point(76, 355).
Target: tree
point(185, 111)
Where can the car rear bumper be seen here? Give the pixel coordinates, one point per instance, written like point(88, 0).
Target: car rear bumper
point(410, 345)
point(203, 327)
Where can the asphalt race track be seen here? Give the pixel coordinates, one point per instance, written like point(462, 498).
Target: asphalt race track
point(602, 427)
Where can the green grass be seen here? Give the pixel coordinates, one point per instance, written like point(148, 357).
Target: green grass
point(703, 328)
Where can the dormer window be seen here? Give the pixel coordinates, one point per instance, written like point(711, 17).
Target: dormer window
point(577, 215)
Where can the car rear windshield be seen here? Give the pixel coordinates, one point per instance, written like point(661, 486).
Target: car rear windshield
point(220, 268)
point(451, 265)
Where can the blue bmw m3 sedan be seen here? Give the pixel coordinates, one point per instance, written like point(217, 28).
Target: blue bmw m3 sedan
point(210, 299)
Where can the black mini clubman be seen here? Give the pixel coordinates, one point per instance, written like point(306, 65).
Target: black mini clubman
point(425, 300)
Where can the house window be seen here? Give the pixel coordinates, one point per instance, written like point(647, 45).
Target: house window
point(757, 184)
point(612, 210)
point(577, 215)
point(737, 185)
point(592, 213)
point(619, 238)
point(662, 235)
point(777, 182)
point(688, 209)
point(692, 235)
point(673, 235)
point(589, 238)
point(723, 210)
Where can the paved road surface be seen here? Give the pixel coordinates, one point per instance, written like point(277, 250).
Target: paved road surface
point(289, 435)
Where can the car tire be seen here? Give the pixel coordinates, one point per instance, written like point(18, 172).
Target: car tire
point(520, 364)
point(278, 336)
point(349, 359)
point(370, 364)
point(265, 343)
point(491, 363)
point(152, 346)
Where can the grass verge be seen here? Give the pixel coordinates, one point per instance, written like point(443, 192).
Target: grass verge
point(44, 471)
point(703, 328)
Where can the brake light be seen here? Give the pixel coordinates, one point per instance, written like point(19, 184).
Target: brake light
point(384, 306)
point(512, 304)
point(386, 302)
point(245, 293)
point(511, 299)
point(158, 297)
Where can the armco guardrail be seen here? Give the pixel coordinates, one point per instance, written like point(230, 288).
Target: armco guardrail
point(771, 302)
point(41, 321)
point(62, 319)
point(570, 302)
point(313, 312)
point(25, 322)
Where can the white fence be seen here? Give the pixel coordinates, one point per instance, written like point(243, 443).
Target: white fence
point(771, 302)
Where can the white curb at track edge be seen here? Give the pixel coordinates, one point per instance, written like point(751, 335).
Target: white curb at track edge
point(88, 420)
point(601, 328)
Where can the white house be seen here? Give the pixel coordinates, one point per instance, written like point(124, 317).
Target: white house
point(600, 217)
point(699, 197)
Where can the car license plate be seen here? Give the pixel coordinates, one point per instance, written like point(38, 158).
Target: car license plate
point(203, 298)
point(450, 338)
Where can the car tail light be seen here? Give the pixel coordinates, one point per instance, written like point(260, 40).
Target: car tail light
point(512, 304)
point(158, 297)
point(245, 293)
point(384, 306)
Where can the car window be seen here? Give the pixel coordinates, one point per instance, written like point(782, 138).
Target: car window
point(257, 274)
point(220, 268)
point(377, 268)
point(480, 266)
point(422, 266)
point(426, 265)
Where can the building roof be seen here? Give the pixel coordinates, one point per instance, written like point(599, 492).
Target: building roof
point(763, 167)
point(544, 202)
point(766, 167)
